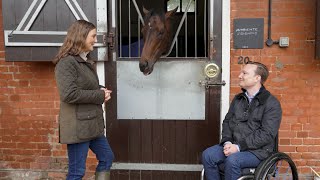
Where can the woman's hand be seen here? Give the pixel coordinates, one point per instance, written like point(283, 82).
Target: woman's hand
point(107, 94)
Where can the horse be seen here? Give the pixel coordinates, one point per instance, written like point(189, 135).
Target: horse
point(157, 38)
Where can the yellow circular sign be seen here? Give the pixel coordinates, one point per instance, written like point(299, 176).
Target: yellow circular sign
point(211, 70)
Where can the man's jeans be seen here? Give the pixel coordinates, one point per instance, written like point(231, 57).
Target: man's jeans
point(213, 157)
point(77, 154)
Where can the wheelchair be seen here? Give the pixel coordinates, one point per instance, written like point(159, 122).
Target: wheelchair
point(277, 166)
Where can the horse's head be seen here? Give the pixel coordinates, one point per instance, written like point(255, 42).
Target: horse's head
point(157, 38)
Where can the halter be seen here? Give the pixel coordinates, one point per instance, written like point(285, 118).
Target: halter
point(149, 24)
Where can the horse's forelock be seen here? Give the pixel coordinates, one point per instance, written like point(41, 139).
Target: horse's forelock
point(150, 13)
point(153, 12)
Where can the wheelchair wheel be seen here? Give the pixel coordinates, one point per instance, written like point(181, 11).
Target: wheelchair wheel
point(277, 166)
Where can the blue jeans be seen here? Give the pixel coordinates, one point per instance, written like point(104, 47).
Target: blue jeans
point(77, 154)
point(213, 157)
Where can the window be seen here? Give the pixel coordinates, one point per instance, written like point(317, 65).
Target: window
point(183, 4)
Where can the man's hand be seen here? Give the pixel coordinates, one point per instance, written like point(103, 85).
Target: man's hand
point(229, 149)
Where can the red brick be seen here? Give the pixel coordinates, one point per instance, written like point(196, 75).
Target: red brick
point(296, 141)
point(287, 148)
point(302, 134)
point(302, 148)
point(314, 148)
point(314, 134)
point(311, 155)
point(284, 142)
point(296, 127)
point(295, 155)
point(300, 163)
point(24, 159)
point(308, 141)
point(43, 146)
point(311, 163)
point(6, 76)
point(287, 134)
point(57, 175)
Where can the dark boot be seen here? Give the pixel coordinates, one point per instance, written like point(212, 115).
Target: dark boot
point(103, 175)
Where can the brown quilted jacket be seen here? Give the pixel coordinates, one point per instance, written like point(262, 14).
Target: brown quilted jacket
point(81, 114)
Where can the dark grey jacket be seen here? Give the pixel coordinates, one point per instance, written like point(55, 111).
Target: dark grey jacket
point(253, 127)
point(81, 114)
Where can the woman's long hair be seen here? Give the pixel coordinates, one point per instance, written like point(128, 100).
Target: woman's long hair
point(74, 43)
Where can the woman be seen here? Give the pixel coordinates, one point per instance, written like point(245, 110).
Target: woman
point(81, 123)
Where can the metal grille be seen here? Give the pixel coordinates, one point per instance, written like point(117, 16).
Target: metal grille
point(189, 28)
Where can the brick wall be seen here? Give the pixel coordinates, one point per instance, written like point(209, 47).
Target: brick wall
point(29, 105)
point(294, 73)
point(29, 100)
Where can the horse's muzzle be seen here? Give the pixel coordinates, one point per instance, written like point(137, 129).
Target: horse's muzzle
point(145, 67)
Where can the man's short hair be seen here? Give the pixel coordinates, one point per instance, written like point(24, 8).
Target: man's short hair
point(261, 70)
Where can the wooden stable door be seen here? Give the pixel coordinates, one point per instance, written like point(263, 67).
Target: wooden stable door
point(158, 125)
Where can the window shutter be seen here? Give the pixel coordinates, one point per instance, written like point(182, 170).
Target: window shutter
point(34, 30)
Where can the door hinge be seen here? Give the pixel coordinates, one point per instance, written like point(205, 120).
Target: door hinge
point(109, 39)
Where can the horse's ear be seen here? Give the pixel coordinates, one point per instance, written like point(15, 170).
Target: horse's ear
point(145, 11)
point(170, 13)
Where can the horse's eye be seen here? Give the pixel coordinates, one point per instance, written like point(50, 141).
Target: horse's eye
point(160, 34)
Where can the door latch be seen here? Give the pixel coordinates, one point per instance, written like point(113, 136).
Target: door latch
point(211, 70)
point(210, 83)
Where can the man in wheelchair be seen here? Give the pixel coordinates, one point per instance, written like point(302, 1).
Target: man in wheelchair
point(249, 128)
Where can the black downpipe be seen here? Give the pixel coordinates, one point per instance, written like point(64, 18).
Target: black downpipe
point(269, 41)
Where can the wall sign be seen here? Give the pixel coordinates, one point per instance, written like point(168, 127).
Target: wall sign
point(248, 33)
